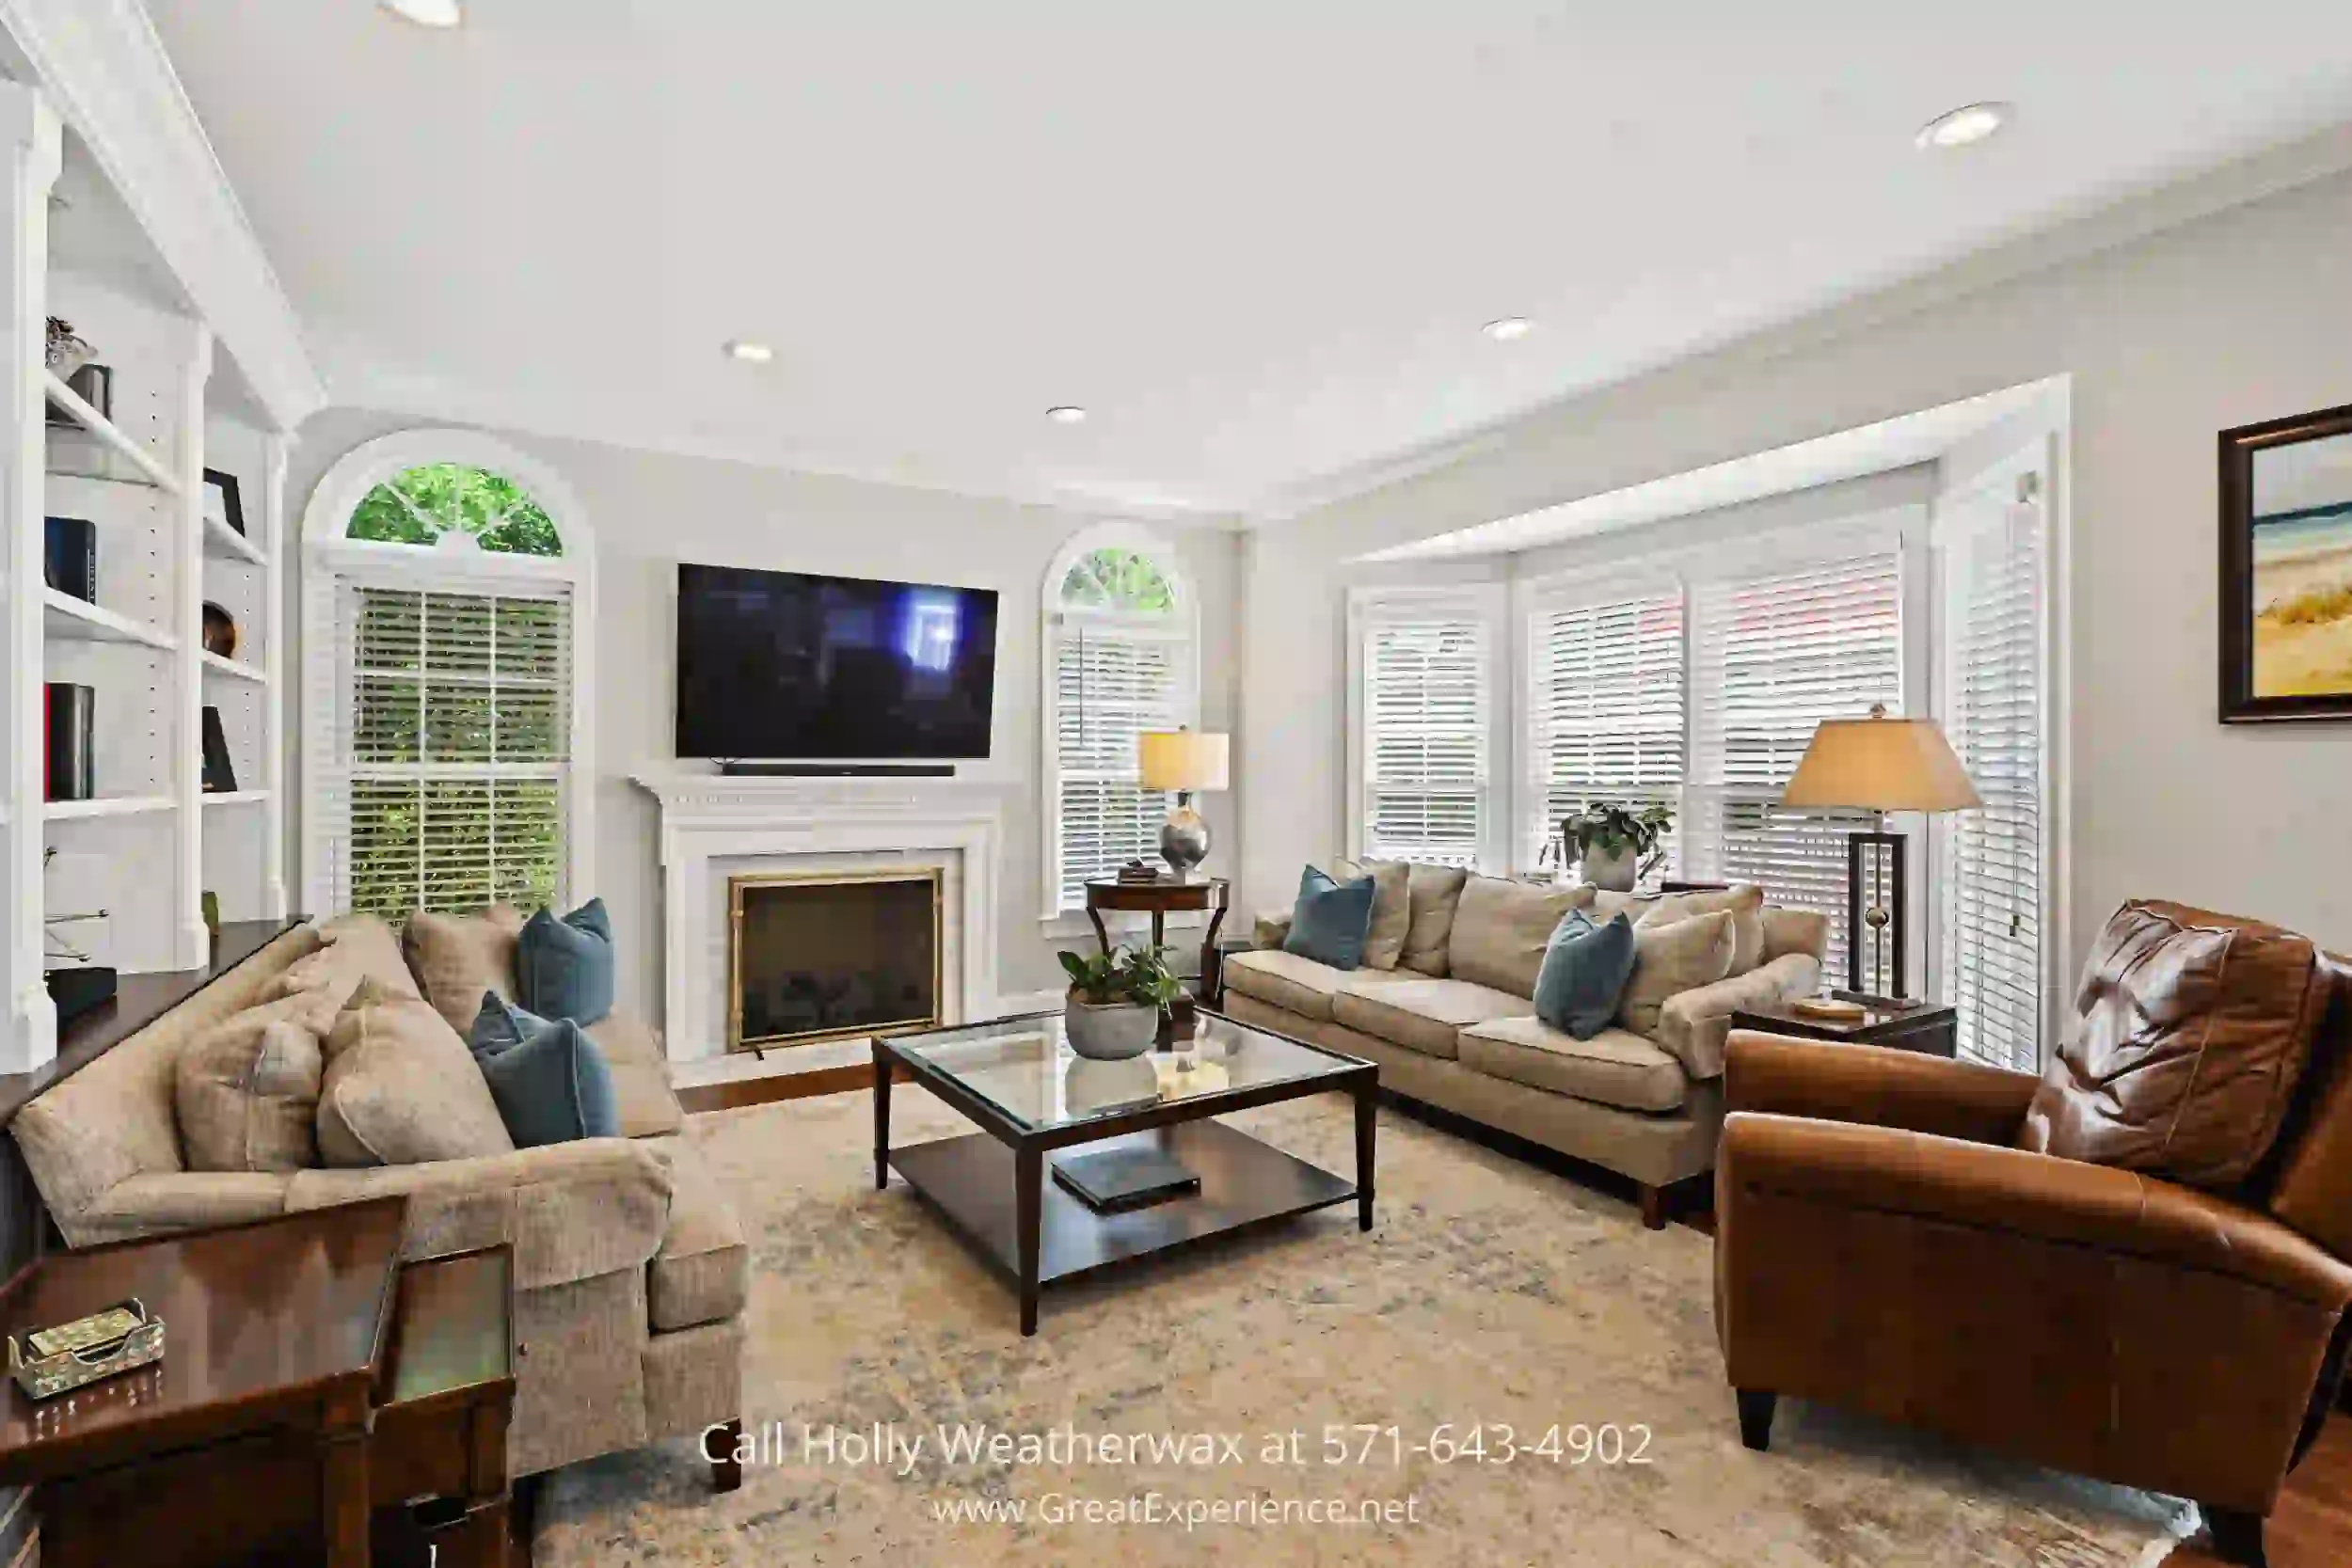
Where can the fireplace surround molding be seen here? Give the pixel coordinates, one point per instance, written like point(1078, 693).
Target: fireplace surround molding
point(712, 827)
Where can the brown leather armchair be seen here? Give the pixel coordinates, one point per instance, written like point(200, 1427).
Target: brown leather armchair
point(1880, 1246)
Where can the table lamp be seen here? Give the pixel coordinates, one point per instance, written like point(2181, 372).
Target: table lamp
point(1878, 765)
point(1183, 761)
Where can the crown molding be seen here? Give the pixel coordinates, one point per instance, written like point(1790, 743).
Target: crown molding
point(2131, 218)
point(101, 64)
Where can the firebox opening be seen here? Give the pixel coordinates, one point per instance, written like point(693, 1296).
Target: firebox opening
point(820, 956)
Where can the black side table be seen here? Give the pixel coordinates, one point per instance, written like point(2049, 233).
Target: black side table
point(1931, 1028)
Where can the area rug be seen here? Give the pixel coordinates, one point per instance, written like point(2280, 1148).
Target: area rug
point(1307, 1396)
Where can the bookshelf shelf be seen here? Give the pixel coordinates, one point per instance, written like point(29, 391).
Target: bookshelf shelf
point(235, 669)
point(108, 436)
point(108, 805)
point(223, 543)
point(74, 620)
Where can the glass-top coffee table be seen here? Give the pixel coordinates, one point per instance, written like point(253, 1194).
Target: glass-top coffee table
point(1030, 1095)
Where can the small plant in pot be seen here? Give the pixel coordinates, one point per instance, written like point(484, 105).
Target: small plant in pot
point(1116, 999)
point(1617, 845)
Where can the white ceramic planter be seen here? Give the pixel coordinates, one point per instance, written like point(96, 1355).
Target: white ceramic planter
point(1612, 873)
point(1110, 1031)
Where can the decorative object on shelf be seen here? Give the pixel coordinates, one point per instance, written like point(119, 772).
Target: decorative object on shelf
point(1616, 845)
point(220, 631)
point(69, 721)
point(49, 1361)
point(1834, 1009)
point(70, 557)
point(1116, 1179)
point(75, 980)
point(94, 384)
point(1115, 1002)
point(1140, 872)
point(222, 500)
point(2286, 569)
point(220, 777)
point(1878, 765)
point(66, 352)
point(1183, 761)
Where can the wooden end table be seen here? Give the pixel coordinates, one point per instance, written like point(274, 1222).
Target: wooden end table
point(318, 1401)
point(249, 1438)
point(1931, 1028)
point(1162, 898)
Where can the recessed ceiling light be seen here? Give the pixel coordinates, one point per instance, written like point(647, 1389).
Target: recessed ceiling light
point(749, 352)
point(1964, 127)
point(1068, 413)
point(426, 13)
point(1509, 329)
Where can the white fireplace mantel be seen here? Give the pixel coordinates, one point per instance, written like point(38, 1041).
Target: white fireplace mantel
point(709, 820)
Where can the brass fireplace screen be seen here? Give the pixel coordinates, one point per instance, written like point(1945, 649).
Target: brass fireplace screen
point(825, 955)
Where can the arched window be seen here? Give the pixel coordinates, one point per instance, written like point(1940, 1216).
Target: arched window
point(445, 598)
point(1121, 657)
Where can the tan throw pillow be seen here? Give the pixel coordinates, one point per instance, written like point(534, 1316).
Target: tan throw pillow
point(1432, 893)
point(1671, 960)
point(1391, 908)
point(1788, 930)
point(1500, 928)
point(1743, 900)
point(458, 957)
point(401, 1089)
point(2191, 1032)
point(246, 1092)
point(358, 947)
point(1606, 905)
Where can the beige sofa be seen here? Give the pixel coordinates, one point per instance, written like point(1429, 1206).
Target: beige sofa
point(630, 1270)
point(1449, 1021)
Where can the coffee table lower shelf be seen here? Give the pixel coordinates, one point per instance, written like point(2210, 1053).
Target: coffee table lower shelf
point(1244, 1183)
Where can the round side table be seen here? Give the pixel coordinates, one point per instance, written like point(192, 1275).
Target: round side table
point(1162, 898)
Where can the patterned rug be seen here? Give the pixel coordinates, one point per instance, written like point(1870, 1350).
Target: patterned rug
point(1151, 1420)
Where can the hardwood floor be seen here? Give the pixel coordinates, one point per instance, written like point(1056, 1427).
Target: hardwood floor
point(2312, 1527)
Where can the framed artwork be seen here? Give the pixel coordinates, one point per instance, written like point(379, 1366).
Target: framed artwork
point(221, 499)
point(2286, 569)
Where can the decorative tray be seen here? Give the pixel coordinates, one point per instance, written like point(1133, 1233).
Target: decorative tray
point(51, 1361)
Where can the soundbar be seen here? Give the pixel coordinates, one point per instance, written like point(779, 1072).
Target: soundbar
point(837, 769)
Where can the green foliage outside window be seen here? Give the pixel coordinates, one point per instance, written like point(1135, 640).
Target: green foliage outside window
point(418, 506)
point(1123, 579)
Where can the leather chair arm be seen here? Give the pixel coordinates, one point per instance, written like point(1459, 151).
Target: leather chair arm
point(1875, 1084)
point(1894, 1170)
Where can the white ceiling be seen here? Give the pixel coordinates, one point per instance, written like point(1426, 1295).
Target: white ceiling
point(1256, 239)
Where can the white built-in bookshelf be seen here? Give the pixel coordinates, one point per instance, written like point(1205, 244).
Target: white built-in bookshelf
point(121, 877)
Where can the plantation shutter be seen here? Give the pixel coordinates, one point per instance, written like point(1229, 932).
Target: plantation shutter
point(1606, 688)
point(1112, 680)
point(1991, 885)
point(449, 736)
point(1425, 742)
point(1773, 656)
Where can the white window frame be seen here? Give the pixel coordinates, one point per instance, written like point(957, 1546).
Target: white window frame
point(1163, 554)
point(330, 557)
point(1532, 600)
point(1369, 606)
point(2028, 475)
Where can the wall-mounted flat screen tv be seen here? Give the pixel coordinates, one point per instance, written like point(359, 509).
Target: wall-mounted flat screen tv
point(785, 665)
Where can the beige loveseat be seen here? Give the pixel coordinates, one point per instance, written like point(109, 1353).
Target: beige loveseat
point(630, 1270)
point(1444, 1006)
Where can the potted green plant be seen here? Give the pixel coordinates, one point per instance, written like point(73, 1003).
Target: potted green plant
point(1112, 1009)
point(1617, 845)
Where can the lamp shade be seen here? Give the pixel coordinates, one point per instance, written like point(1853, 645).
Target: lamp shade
point(1182, 759)
point(1881, 764)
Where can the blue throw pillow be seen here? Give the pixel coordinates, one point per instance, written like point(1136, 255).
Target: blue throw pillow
point(550, 1082)
point(564, 968)
point(1585, 970)
point(1331, 919)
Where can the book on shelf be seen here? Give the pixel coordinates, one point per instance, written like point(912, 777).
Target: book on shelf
point(70, 557)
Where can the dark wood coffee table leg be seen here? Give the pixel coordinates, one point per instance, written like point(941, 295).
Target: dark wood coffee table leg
point(1212, 964)
point(1029, 1177)
point(1367, 1128)
point(882, 1118)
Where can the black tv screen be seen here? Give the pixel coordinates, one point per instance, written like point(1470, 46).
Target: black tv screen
point(783, 665)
